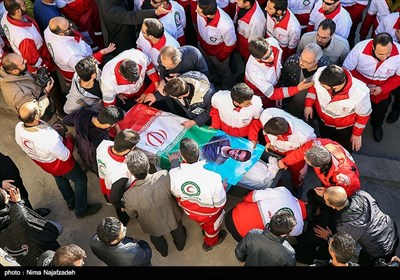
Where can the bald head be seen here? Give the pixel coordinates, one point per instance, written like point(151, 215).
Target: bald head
point(59, 26)
point(29, 112)
point(335, 197)
point(14, 64)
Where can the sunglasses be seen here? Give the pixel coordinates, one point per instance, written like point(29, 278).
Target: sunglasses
point(329, 4)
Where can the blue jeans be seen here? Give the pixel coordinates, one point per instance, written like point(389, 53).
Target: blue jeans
point(77, 199)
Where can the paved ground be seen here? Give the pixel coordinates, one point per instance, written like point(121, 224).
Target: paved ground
point(379, 164)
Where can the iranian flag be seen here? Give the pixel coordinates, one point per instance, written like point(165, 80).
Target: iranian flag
point(161, 133)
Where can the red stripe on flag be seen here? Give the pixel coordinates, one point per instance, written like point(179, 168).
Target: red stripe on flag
point(138, 116)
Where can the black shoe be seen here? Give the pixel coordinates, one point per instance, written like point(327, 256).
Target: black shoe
point(221, 238)
point(90, 210)
point(393, 116)
point(378, 133)
point(42, 211)
point(71, 207)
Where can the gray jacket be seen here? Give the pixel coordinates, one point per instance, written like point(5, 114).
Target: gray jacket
point(150, 200)
point(374, 230)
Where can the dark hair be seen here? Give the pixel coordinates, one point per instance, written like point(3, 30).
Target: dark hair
point(108, 230)
point(30, 115)
point(189, 150)
point(85, 68)
point(332, 75)
point(126, 139)
point(328, 24)
point(241, 93)
point(129, 70)
point(383, 39)
point(280, 5)
point(258, 46)
point(343, 246)
point(68, 254)
point(11, 6)
point(110, 115)
point(208, 7)
point(176, 87)
point(282, 222)
point(138, 164)
point(246, 157)
point(276, 126)
point(154, 26)
point(8, 64)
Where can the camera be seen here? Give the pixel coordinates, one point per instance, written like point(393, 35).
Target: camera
point(42, 78)
point(381, 262)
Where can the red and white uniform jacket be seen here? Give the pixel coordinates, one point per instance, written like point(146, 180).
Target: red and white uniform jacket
point(85, 14)
point(153, 50)
point(302, 10)
point(257, 208)
point(217, 37)
point(298, 134)
point(1, 49)
point(340, 16)
point(287, 32)
point(252, 24)
point(175, 22)
point(355, 9)
point(229, 7)
point(349, 107)
point(111, 167)
point(46, 148)
point(198, 191)
point(233, 120)
point(262, 77)
point(377, 11)
point(26, 40)
point(112, 82)
point(364, 66)
point(67, 51)
point(343, 172)
point(390, 24)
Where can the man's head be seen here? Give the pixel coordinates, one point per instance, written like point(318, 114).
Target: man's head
point(126, 140)
point(261, 50)
point(206, 8)
point(310, 56)
point(335, 197)
point(69, 255)
point(110, 115)
point(276, 8)
point(282, 223)
point(170, 57)
point(177, 88)
point(239, 154)
point(29, 112)
point(138, 164)
point(86, 69)
point(241, 95)
point(276, 126)
point(189, 150)
point(61, 26)
point(245, 4)
point(15, 7)
point(152, 29)
point(111, 231)
point(330, 5)
point(129, 70)
point(325, 31)
point(382, 46)
point(14, 64)
point(318, 156)
point(157, 3)
point(333, 78)
point(342, 247)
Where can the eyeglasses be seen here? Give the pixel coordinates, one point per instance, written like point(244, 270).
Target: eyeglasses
point(67, 29)
point(329, 4)
point(323, 38)
point(306, 62)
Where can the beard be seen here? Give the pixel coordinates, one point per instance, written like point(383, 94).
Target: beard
point(23, 72)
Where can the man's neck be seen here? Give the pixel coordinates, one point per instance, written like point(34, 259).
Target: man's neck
point(18, 17)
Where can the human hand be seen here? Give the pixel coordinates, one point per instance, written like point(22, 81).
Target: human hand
point(282, 165)
point(255, 142)
point(15, 196)
point(320, 190)
point(49, 85)
point(355, 142)
point(304, 85)
point(308, 113)
point(188, 124)
point(225, 183)
point(323, 233)
point(150, 98)
point(109, 49)
point(141, 98)
point(6, 185)
point(122, 97)
point(174, 156)
point(375, 90)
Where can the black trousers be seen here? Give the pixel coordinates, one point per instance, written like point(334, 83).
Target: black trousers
point(179, 236)
point(342, 136)
point(230, 226)
point(379, 111)
point(396, 102)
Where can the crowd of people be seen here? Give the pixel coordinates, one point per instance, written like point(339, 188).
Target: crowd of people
point(285, 74)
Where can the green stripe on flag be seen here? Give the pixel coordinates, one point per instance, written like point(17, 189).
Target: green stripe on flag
point(199, 134)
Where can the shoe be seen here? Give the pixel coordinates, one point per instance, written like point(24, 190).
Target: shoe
point(71, 207)
point(164, 254)
point(378, 133)
point(393, 116)
point(221, 238)
point(90, 210)
point(42, 211)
